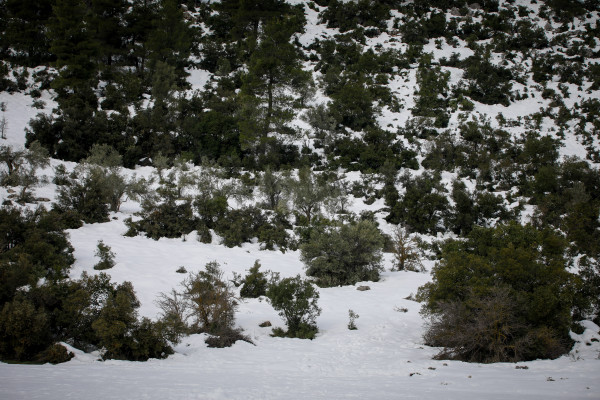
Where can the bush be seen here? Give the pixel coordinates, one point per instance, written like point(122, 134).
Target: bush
point(504, 294)
point(210, 299)
point(239, 226)
point(344, 256)
point(55, 354)
point(107, 257)
point(122, 335)
point(23, 330)
point(170, 219)
point(33, 247)
point(255, 283)
point(227, 338)
point(296, 301)
point(424, 205)
point(85, 193)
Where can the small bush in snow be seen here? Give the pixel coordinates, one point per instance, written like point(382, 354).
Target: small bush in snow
point(296, 301)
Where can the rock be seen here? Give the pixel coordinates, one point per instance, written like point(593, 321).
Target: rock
point(363, 288)
point(265, 324)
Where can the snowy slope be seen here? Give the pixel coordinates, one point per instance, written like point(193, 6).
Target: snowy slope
point(384, 359)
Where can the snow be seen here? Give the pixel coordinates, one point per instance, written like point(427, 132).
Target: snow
point(385, 358)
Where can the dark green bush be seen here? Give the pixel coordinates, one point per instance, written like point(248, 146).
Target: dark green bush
point(23, 330)
point(296, 301)
point(239, 226)
point(255, 283)
point(504, 294)
point(424, 205)
point(344, 255)
point(169, 219)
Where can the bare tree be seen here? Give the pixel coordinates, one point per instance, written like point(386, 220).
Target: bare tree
point(405, 249)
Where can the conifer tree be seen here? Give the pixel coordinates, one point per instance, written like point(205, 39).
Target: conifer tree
point(274, 68)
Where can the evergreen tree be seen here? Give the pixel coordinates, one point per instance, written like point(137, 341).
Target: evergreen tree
point(72, 42)
point(107, 24)
point(171, 40)
point(25, 30)
point(274, 69)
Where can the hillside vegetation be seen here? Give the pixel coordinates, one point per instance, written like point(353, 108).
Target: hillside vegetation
point(457, 139)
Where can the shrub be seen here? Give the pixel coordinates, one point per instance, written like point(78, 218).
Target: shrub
point(424, 205)
point(54, 354)
point(406, 254)
point(210, 299)
point(33, 247)
point(107, 257)
point(239, 226)
point(504, 294)
point(255, 283)
point(85, 193)
point(296, 301)
point(169, 219)
point(122, 335)
point(23, 330)
point(344, 256)
point(227, 338)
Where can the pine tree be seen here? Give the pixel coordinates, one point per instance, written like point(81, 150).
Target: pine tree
point(72, 42)
point(24, 33)
point(273, 69)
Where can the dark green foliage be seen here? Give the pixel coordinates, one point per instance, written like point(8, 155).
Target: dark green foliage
point(589, 271)
point(86, 194)
point(77, 305)
point(295, 299)
point(371, 152)
point(347, 15)
point(424, 205)
point(239, 226)
point(32, 247)
point(274, 68)
point(514, 275)
point(417, 31)
point(566, 195)
point(169, 219)
point(488, 83)
point(25, 31)
point(107, 257)
point(344, 255)
point(479, 208)
point(431, 99)
point(120, 333)
point(255, 283)
point(352, 105)
point(274, 233)
point(23, 330)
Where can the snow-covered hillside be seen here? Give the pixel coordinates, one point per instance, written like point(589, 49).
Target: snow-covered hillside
point(385, 358)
